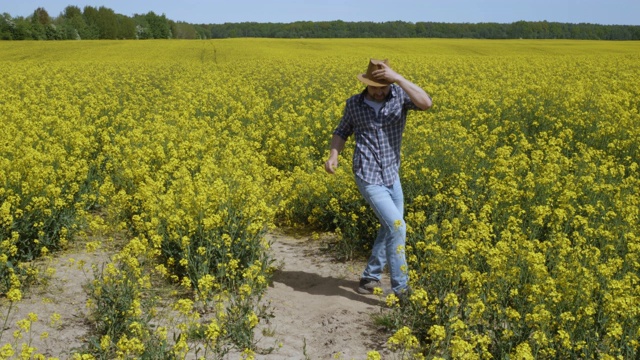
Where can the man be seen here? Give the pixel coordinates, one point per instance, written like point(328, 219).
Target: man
point(378, 116)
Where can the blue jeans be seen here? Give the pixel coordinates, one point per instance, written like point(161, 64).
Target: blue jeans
point(388, 204)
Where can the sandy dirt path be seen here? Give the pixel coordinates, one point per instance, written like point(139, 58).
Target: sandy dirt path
point(317, 314)
point(59, 303)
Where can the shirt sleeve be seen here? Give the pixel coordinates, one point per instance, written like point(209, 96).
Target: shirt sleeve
point(345, 127)
point(406, 101)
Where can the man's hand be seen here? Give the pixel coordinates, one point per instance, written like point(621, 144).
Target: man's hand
point(386, 74)
point(331, 165)
point(337, 144)
point(416, 93)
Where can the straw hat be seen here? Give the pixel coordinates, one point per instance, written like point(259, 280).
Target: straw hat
point(368, 77)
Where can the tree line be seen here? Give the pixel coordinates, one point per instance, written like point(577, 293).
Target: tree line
point(103, 23)
point(93, 23)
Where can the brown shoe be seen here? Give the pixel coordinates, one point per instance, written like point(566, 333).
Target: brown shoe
point(368, 285)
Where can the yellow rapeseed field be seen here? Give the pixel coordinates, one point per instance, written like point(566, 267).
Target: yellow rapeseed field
point(521, 186)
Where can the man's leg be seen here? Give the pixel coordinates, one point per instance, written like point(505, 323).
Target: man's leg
point(396, 257)
point(378, 258)
point(388, 248)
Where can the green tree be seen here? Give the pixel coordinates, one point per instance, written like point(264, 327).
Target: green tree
point(73, 23)
point(6, 27)
point(22, 29)
point(43, 27)
point(104, 23)
point(203, 31)
point(39, 21)
point(126, 27)
point(107, 23)
point(158, 26)
point(183, 30)
point(519, 29)
point(41, 16)
point(91, 31)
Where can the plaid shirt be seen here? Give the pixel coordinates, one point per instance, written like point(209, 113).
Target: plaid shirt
point(376, 158)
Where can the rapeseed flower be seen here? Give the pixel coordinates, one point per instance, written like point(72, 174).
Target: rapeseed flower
point(521, 184)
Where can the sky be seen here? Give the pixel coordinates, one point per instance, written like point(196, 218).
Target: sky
point(605, 12)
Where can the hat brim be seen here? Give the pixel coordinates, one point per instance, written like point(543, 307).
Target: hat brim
point(363, 78)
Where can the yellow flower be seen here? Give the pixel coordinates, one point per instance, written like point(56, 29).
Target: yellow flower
point(461, 349)
point(403, 339)
point(373, 355)
point(105, 342)
point(523, 352)
point(213, 331)
point(128, 347)
point(14, 295)
point(252, 320)
point(392, 300)
point(437, 333)
point(248, 354)
point(524, 195)
point(33, 317)
point(420, 297)
point(451, 300)
point(184, 306)
point(7, 351)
